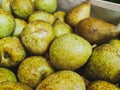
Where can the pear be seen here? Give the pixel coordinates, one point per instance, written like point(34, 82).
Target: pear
point(115, 42)
point(42, 15)
point(14, 86)
point(96, 31)
point(7, 23)
point(7, 75)
point(102, 85)
point(78, 13)
point(33, 70)
point(12, 51)
point(60, 28)
point(37, 36)
point(46, 5)
point(22, 8)
point(6, 5)
point(69, 51)
point(104, 64)
point(62, 80)
point(20, 24)
point(60, 15)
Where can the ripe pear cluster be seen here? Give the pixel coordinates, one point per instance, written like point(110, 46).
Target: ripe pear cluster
point(43, 48)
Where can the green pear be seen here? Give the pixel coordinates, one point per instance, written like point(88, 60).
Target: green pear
point(7, 75)
point(6, 5)
point(22, 8)
point(12, 51)
point(104, 64)
point(60, 28)
point(102, 85)
point(62, 80)
point(46, 5)
point(20, 24)
point(42, 15)
point(7, 23)
point(60, 15)
point(14, 86)
point(33, 70)
point(37, 36)
point(78, 13)
point(96, 31)
point(69, 51)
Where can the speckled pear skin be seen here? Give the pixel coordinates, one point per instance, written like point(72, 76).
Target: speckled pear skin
point(5, 4)
point(115, 42)
point(20, 24)
point(7, 75)
point(33, 70)
point(78, 13)
point(42, 15)
point(69, 51)
point(49, 6)
point(104, 64)
point(62, 80)
point(7, 23)
point(22, 9)
point(60, 15)
point(37, 36)
point(12, 51)
point(60, 28)
point(96, 31)
point(102, 85)
point(14, 86)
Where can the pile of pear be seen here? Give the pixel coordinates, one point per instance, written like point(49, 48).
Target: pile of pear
point(43, 48)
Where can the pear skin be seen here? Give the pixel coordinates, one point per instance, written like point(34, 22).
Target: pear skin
point(96, 31)
point(102, 85)
point(62, 80)
point(78, 13)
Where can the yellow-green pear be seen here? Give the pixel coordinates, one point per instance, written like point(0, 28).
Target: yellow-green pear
point(49, 6)
point(33, 70)
point(7, 75)
point(14, 86)
point(42, 15)
point(102, 85)
point(6, 5)
point(19, 26)
point(62, 80)
point(60, 28)
point(12, 51)
point(104, 64)
point(69, 51)
point(60, 15)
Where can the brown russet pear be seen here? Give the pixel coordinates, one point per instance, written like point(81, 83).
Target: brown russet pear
point(96, 31)
point(78, 13)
